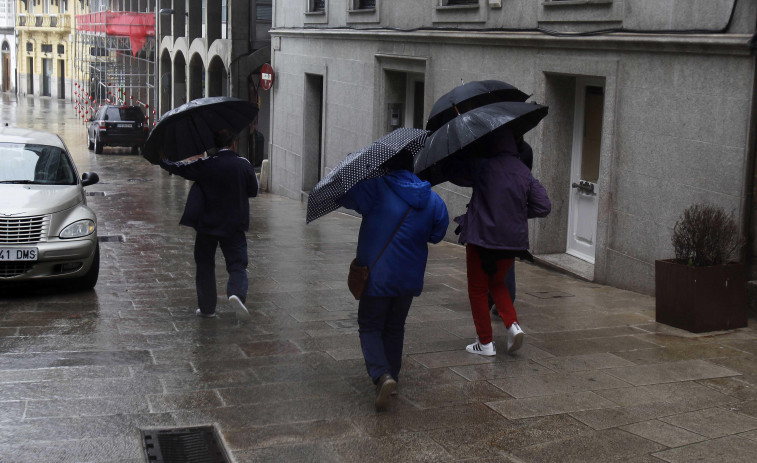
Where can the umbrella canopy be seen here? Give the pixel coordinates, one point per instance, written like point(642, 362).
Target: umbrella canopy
point(188, 130)
point(363, 164)
point(468, 96)
point(469, 133)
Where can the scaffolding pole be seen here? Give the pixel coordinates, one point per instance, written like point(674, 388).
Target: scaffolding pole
point(115, 62)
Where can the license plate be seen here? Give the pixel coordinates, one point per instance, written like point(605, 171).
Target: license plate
point(125, 125)
point(15, 254)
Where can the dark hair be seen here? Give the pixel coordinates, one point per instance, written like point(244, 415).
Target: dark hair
point(400, 161)
point(224, 138)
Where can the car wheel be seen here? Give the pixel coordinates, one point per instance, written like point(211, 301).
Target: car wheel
point(89, 280)
point(98, 145)
point(90, 145)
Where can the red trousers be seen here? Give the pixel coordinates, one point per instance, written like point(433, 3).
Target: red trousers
point(480, 285)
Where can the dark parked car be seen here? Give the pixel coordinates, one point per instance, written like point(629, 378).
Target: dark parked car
point(117, 126)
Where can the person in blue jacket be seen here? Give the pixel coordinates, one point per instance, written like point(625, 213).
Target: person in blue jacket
point(218, 208)
point(397, 198)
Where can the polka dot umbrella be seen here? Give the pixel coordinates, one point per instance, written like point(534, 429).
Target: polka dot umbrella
point(363, 164)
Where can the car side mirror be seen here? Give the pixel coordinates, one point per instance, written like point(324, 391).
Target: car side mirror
point(90, 119)
point(89, 178)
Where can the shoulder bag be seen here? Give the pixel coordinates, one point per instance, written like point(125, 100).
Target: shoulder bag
point(358, 276)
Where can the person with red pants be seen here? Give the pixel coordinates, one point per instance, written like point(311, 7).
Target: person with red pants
point(494, 230)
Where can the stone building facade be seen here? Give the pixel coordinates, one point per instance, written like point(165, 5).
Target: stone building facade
point(214, 48)
point(651, 107)
point(7, 46)
point(45, 46)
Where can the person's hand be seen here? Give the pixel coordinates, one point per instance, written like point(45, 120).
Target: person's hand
point(196, 157)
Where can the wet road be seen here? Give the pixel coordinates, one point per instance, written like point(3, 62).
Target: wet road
point(597, 380)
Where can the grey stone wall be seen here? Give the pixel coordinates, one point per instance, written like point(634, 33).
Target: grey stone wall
point(676, 118)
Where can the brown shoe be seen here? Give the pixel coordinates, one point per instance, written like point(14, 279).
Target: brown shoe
point(384, 388)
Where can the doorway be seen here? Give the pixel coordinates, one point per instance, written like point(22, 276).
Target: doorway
point(30, 77)
point(312, 152)
point(61, 78)
point(584, 178)
point(47, 73)
point(404, 97)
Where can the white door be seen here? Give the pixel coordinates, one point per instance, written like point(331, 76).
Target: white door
point(584, 191)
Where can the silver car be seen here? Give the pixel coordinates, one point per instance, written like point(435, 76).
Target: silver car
point(47, 232)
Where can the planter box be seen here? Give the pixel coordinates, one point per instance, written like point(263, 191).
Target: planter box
point(700, 299)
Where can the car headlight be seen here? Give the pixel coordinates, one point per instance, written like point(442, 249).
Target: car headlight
point(78, 229)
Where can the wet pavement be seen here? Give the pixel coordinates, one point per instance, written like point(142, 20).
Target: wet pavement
point(81, 374)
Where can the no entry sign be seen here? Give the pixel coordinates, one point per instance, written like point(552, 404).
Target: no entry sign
point(266, 76)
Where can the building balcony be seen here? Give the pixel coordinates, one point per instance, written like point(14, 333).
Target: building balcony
point(43, 22)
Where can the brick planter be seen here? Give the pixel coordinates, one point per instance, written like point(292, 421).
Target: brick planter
point(699, 299)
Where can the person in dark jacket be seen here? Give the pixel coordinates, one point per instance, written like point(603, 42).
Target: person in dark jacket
point(526, 155)
point(495, 232)
point(398, 198)
point(218, 208)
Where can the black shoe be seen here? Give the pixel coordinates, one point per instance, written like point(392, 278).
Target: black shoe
point(384, 388)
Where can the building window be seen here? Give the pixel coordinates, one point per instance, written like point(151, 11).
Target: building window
point(29, 46)
point(61, 49)
point(47, 48)
point(264, 11)
point(460, 2)
point(363, 4)
point(316, 6)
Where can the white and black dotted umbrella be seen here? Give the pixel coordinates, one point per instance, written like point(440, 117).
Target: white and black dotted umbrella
point(363, 164)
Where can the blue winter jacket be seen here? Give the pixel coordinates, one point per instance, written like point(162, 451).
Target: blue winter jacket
point(383, 202)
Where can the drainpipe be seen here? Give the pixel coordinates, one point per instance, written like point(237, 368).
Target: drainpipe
point(269, 177)
point(747, 197)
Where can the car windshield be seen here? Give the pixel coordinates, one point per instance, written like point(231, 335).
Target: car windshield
point(133, 114)
point(37, 164)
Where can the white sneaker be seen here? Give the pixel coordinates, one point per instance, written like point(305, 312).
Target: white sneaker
point(514, 338)
point(200, 314)
point(239, 308)
point(481, 349)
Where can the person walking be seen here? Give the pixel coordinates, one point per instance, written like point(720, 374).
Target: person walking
point(218, 208)
point(494, 231)
point(401, 215)
point(526, 155)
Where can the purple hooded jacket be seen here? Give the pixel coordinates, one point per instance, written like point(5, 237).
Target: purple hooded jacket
point(505, 195)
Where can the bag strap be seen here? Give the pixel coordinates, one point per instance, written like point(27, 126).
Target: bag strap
point(391, 238)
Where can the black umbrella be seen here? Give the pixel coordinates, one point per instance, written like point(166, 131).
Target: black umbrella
point(368, 162)
point(468, 96)
point(188, 130)
point(470, 134)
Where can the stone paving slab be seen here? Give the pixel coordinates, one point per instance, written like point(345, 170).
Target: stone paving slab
point(596, 380)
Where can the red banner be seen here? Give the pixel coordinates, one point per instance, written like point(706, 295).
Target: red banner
point(136, 26)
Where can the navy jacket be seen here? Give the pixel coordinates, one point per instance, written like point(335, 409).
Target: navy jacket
point(218, 202)
point(383, 202)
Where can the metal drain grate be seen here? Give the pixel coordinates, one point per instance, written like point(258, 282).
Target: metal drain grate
point(184, 445)
point(95, 193)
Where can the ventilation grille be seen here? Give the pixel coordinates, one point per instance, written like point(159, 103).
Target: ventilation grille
point(183, 445)
point(14, 269)
point(23, 230)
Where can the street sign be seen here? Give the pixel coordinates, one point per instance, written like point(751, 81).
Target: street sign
point(266, 76)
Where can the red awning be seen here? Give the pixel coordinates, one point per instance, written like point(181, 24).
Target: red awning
point(136, 26)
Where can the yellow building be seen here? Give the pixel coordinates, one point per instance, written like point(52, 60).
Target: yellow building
point(45, 46)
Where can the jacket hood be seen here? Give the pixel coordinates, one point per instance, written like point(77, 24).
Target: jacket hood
point(414, 191)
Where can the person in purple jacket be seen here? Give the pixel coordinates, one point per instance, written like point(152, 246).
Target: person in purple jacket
point(218, 208)
point(494, 231)
point(397, 198)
